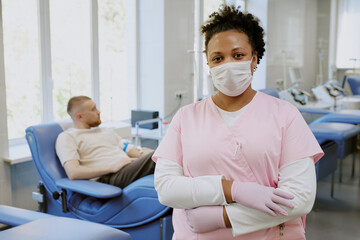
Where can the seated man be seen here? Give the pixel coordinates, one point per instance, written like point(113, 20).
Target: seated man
point(87, 152)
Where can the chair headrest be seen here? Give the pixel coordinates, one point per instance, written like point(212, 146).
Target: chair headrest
point(66, 124)
point(270, 91)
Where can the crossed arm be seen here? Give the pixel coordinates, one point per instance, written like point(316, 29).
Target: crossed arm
point(297, 178)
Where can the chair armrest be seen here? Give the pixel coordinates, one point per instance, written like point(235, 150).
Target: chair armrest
point(314, 111)
point(90, 188)
point(13, 216)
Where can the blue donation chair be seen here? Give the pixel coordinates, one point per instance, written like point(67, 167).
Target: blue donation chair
point(328, 163)
point(30, 225)
point(134, 209)
point(344, 133)
point(354, 82)
point(343, 129)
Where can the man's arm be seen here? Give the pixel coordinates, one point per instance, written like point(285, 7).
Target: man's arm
point(135, 152)
point(76, 171)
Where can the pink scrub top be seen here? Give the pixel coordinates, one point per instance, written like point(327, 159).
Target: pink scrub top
point(269, 134)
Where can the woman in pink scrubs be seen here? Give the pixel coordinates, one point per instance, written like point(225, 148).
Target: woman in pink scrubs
point(239, 164)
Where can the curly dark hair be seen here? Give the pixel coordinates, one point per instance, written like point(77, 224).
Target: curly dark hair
point(231, 18)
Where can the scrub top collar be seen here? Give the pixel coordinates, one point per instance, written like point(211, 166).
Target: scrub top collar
point(245, 113)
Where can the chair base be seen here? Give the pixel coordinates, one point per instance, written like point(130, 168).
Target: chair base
point(160, 229)
point(328, 164)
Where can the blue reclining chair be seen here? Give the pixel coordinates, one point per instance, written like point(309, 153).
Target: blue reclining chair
point(134, 209)
point(30, 225)
point(344, 131)
point(344, 134)
point(328, 163)
point(354, 82)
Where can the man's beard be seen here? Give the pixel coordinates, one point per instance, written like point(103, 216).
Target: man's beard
point(95, 123)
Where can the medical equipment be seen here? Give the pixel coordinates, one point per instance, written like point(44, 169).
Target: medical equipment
point(321, 49)
point(330, 92)
point(293, 94)
point(295, 75)
point(156, 134)
point(297, 96)
point(140, 115)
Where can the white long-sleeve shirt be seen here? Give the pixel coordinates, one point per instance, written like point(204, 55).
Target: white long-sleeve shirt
point(177, 191)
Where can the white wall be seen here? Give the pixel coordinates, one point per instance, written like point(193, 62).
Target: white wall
point(179, 39)
point(5, 184)
point(310, 70)
point(323, 33)
point(292, 38)
point(259, 9)
point(151, 54)
point(165, 66)
point(285, 38)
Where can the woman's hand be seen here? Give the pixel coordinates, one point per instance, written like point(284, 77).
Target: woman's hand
point(265, 199)
point(205, 219)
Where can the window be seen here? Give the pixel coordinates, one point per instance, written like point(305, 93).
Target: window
point(348, 47)
point(22, 65)
point(56, 49)
point(70, 52)
point(113, 60)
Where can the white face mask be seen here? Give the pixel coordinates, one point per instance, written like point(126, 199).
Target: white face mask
point(233, 78)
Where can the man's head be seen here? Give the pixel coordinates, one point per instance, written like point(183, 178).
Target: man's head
point(83, 112)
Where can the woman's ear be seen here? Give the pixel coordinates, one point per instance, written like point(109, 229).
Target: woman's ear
point(254, 63)
point(255, 60)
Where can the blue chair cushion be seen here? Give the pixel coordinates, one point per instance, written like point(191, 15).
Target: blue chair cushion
point(270, 91)
point(13, 216)
point(333, 131)
point(350, 111)
point(63, 228)
point(340, 118)
point(138, 204)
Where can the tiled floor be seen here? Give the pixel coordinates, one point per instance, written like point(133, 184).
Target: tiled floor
point(336, 218)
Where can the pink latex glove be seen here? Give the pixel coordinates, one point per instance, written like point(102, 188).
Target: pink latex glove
point(265, 199)
point(205, 219)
